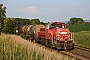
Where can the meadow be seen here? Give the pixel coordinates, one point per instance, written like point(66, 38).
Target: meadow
point(81, 34)
point(82, 38)
point(14, 47)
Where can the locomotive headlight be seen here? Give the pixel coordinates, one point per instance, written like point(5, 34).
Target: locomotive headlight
point(58, 39)
point(66, 37)
point(69, 38)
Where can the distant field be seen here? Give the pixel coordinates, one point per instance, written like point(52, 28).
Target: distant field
point(82, 38)
point(78, 28)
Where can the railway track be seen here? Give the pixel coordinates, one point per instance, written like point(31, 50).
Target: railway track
point(82, 48)
point(80, 53)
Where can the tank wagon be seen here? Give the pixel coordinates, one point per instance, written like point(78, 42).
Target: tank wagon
point(55, 35)
point(31, 31)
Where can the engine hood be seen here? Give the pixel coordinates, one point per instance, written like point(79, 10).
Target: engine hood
point(60, 33)
point(60, 30)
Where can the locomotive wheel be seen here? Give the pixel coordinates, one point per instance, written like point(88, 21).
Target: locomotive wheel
point(65, 45)
point(35, 38)
point(50, 44)
point(72, 47)
point(31, 38)
point(46, 43)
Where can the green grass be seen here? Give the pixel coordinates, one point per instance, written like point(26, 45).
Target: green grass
point(78, 28)
point(82, 39)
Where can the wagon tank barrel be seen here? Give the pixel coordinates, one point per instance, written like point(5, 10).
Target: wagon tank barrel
point(30, 30)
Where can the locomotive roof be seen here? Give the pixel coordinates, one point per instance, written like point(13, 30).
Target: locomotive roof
point(58, 23)
point(48, 25)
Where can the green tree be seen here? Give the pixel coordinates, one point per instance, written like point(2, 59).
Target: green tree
point(2, 15)
point(37, 21)
point(76, 21)
point(9, 25)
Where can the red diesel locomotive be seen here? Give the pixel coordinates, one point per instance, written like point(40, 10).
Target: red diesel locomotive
point(56, 35)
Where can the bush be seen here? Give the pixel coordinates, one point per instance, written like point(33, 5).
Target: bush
point(24, 36)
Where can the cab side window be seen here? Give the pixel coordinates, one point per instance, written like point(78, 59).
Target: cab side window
point(52, 26)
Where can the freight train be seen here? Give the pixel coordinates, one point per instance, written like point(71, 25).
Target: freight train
point(54, 35)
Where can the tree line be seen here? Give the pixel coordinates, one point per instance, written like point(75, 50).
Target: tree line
point(11, 24)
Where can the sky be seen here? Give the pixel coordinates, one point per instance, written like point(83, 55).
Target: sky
point(47, 10)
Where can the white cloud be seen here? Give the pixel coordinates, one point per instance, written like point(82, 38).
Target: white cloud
point(30, 10)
